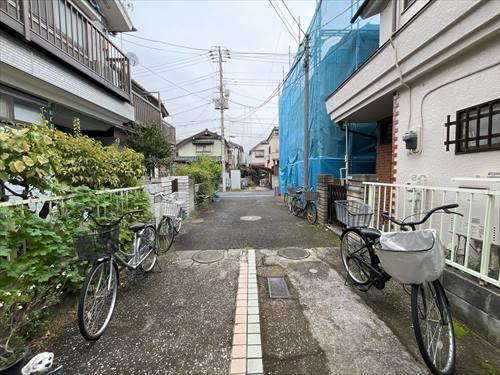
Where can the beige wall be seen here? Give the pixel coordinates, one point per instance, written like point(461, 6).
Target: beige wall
point(256, 160)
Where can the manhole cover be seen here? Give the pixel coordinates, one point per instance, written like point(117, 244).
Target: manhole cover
point(313, 271)
point(211, 211)
point(197, 221)
point(208, 256)
point(277, 287)
point(250, 218)
point(293, 253)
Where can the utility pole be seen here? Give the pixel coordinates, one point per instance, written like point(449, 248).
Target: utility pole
point(221, 104)
point(306, 112)
point(222, 141)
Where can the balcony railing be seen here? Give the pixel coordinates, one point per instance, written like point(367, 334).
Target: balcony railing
point(145, 111)
point(61, 28)
point(471, 242)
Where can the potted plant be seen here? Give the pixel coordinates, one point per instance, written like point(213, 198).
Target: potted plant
point(23, 310)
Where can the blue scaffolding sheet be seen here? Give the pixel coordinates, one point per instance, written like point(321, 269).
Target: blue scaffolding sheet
point(337, 49)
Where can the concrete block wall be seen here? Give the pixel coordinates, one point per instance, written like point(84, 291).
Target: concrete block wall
point(164, 185)
point(476, 305)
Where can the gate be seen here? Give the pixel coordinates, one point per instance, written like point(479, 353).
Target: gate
point(335, 192)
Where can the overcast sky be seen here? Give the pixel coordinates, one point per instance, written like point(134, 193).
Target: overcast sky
point(240, 26)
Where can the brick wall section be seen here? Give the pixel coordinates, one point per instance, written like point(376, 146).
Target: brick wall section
point(322, 182)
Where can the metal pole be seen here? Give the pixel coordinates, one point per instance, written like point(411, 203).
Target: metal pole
point(306, 111)
point(223, 143)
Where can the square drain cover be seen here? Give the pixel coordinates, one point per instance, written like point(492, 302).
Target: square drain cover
point(277, 287)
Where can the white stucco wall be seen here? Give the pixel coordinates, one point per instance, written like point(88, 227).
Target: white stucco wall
point(189, 149)
point(255, 160)
point(29, 70)
point(442, 93)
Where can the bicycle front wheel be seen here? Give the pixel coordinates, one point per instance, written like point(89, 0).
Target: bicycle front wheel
point(312, 213)
point(177, 224)
point(146, 247)
point(97, 299)
point(353, 250)
point(433, 327)
point(165, 233)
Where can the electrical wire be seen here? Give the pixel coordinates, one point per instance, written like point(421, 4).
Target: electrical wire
point(287, 26)
point(183, 96)
point(293, 17)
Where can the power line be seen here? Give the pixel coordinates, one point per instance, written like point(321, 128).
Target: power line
point(170, 44)
point(287, 26)
point(183, 96)
point(293, 17)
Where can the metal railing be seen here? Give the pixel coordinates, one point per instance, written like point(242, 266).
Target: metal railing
point(145, 111)
point(61, 28)
point(472, 242)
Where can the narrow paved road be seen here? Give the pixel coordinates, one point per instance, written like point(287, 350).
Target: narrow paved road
point(222, 228)
point(180, 321)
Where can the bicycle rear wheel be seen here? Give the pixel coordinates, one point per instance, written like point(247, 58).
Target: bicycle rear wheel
point(165, 233)
point(146, 246)
point(97, 299)
point(433, 327)
point(178, 224)
point(312, 213)
point(353, 248)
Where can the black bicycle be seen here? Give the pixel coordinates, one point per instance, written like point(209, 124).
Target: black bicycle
point(102, 248)
point(304, 202)
point(360, 250)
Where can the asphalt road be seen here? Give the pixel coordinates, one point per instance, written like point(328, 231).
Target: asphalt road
point(222, 228)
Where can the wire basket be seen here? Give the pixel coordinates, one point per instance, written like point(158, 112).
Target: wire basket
point(97, 245)
point(353, 214)
point(310, 196)
point(172, 208)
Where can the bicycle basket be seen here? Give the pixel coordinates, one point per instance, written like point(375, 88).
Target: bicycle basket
point(97, 244)
point(310, 196)
point(412, 257)
point(172, 208)
point(353, 214)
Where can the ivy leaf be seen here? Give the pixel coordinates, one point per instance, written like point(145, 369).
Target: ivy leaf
point(28, 161)
point(42, 159)
point(17, 166)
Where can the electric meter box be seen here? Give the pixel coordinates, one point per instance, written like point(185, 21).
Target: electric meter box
point(410, 138)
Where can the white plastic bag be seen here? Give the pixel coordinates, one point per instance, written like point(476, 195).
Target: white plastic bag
point(412, 257)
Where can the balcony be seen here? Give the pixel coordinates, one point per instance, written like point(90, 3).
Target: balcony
point(62, 29)
point(145, 111)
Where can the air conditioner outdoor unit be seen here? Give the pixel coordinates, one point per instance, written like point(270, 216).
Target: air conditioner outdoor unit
point(478, 208)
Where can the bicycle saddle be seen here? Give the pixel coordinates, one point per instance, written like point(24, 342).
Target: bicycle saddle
point(298, 191)
point(371, 233)
point(136, 227)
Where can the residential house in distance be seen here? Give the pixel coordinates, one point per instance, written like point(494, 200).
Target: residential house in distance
point(236, 155)
point(433, 88)
point(265, 156)
point(58, 55)
point(204, 143)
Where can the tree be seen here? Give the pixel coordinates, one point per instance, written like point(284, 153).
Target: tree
point(150, 140)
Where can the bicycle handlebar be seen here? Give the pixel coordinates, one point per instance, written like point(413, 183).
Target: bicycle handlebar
point(110, 224)
point(446, 209)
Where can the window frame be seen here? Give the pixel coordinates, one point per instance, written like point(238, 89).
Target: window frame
point(258, 153)
point(205, 146)
point(464, 120)
point(407, 4)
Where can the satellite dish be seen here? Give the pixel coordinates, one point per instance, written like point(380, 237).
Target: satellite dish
point(132, 57)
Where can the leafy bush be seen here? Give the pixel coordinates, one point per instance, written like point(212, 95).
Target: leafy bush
point(27, 157)
point(149, 140)
point(35, 156)
point(204, 171)
point(37, 259)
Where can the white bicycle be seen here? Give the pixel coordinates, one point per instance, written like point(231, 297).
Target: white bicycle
point(171, 222)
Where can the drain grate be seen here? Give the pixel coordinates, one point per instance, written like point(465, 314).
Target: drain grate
point(277, 287)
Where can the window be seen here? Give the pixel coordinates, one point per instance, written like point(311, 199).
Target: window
point(18, 108)
point(477, 128)
point(203, 149)
point(259, 153)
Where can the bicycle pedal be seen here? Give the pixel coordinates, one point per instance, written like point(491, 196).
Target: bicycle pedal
point(363, 288)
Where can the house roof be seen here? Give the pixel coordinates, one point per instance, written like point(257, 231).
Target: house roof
point(369, 8)
point(265, 141)
point(205, 133)
point(235, 145)
point(139, 89)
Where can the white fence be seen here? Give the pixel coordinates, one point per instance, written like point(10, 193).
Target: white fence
point(472, 242)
